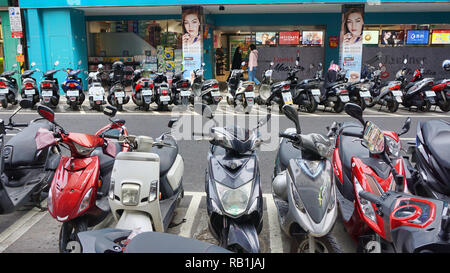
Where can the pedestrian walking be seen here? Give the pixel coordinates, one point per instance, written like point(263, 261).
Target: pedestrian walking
point(253, 64)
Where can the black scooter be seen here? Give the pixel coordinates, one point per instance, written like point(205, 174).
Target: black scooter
point(307, 92)
point(26, 173)
point(233, 187)
point(432, 160)
point(163, 96)
point(29, 90)
point(8, 87)
point(181, 90)
point(50, 88)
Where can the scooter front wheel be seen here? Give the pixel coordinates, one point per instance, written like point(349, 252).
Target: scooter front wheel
point(325, 244)
point(68, 236)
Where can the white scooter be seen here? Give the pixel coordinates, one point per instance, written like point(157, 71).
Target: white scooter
point(146, 184)
point(96, 91)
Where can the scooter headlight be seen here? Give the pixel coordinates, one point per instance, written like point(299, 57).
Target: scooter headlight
point(394, 146)
point(366, 206)
point(222, 139)
point(234, 201)
point(82, 150)
point(111, 189)
point(50, 200)
point(153, 191)
point(86, 200)
point(130, 194)
point(297, 199)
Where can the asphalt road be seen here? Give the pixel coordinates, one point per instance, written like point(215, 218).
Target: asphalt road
point(33, 231)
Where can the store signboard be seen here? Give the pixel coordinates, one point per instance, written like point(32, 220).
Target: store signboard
point(15, 20)
point(289, 37)
point(312, 37)
point(192, 18)
point(351, 43)
point(266, 38)
point(440, 37)
point(393, 37)
point(417, 37)
point(371, 37)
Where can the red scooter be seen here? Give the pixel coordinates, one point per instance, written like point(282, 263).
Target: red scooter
point(366, 159)
point(78, 193)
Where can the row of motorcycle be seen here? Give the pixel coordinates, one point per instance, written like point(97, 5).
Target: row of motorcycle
point(390, 200)
point(334, 90)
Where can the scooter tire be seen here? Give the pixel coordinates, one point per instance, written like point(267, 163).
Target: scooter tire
point(325, 244)
point(426, 107)
point(392, 105)
point(69, 232)
point(4, 103)
point(339, 106)
point(444, 106)
point(313, 104)
point(119, 107)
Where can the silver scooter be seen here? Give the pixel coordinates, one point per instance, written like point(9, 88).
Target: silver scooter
point(303, 188)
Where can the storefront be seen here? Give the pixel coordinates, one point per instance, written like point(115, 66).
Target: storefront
point(150, 34)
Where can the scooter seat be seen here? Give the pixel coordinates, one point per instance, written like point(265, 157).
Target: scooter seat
point(436, 134)
point(287, 152)
point(350, 147)
point(21, 150)
point(8, 73)
point(167, 155)
point(49, 73)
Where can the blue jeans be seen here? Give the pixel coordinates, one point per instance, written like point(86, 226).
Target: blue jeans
point(252, 75)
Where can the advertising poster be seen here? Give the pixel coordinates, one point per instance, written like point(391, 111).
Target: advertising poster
point(392, 37)
point(312, 38)
point(417, 37)
point(289, 37)
point(440, 37)
point(351, 40)
point(192, 18)
point(266, 38)
point(371, 37)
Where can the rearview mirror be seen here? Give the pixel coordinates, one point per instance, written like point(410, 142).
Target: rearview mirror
point(296, 63)
point(33, 64)
point(354, 111)
point(110, 111)
point(243, 64)
point(79, 62)
point(46, 112)
point(14, 65)
point(405, 61)
point(172, 121)
point(292, 114)
point(100, 66)
point(406, 126)
point(56, 63)
point(203, 64)
point(26, 104)
point(271, 63)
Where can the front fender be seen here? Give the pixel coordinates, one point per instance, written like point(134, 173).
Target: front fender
point(243, 235)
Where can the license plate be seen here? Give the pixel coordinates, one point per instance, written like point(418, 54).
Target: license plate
point(185, 93)
point(47, 93)
point(287, 97)
point(4, 91)
point(119, 94)
point(147, 92)
point(164, 98)
point(215, 93)
point(249, 94)
point(97, 98)
point(399, 99)
point(315, 92)
point(430, 93)
point(73, 93)
point(345, 98)
point(365, 94)
point(29, 91)
point(120, 100)
point(397, 93)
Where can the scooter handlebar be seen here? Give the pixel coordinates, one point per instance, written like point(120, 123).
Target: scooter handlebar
point(290, 137)
point(360, 135)
point(369, 197)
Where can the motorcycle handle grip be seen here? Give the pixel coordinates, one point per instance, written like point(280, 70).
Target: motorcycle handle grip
point(360, 135)
point(290, 137)
point(369, 197)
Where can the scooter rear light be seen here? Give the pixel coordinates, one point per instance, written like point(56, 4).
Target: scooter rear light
point(46, 84)
point(72, 85)
point(2, 85)
point(151, 85)
point(185, 85)
point(29, 85)
point(395, 87)
point(138, 86)
point(165, 92)
point(344, 91)
point(249, 88)
point(217, 86)
point(286, 87)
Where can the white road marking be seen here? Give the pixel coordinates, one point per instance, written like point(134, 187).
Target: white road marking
point(186, 228)
point(276, 243)
point(21, 226)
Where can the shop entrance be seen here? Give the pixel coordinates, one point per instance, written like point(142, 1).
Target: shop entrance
point(280, 44)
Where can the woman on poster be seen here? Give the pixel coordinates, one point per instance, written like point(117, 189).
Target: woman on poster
point(191, 28)
point(353, 22)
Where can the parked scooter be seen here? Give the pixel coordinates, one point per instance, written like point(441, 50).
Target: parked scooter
point(181, 90)
point(412, 224)
point(163, 94)
point(78, 193)
point(265, 87)
point(29, 90)
point(73, 87)
point(303, 188)
point(233, 187)
point(142, 89)
point(206, 92)
point(146, 185)
point(307, 92)
point(432, 161)
point(8, 87)
point(240, 92)
point(366, 158)
point(26, 171)
point(333, 90)
point(419, 92)
point(116, 93)
point(442, 89)
point(96, 91)
point(111, 240)
point(50, 87)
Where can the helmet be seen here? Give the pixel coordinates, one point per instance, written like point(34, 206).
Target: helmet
point(118, 65)
point(446, 65)
point(334, 67)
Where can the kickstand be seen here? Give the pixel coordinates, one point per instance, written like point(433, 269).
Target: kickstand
point(171, 225)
